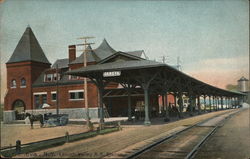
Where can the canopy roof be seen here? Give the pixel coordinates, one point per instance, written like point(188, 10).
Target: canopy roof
point(164, 77)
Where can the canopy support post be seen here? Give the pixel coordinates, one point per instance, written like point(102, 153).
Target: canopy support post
point(180, 105)
point(129, 104)
point(210, 105)
point(145, 83)
point(222, 103)
point(146, 103)
point(167, 107)
point(199, 104)
point(100, 85)
point(205, 106)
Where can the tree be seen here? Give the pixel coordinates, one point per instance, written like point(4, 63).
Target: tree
point(232, 87)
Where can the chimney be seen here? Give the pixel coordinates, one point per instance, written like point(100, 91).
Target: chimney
point(72, 53)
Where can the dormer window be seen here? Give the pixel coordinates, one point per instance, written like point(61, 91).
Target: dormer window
point(72, 77)
point(23, 83)
point(13, 84)
point(51, 77)
point(55, 77)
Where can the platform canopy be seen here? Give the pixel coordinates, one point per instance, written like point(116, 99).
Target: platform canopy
point(159, 77)
point(153, 77)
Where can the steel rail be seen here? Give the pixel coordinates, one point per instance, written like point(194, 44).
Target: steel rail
point(192, 153)
point(152, 145)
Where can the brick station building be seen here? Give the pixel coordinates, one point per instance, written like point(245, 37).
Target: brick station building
point(33, 81)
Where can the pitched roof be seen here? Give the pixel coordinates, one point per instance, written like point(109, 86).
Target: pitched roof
point(62, 63)
point(91, 56)
point(119, 53)
point(121, 65)
point(39, 82)
point(28, 49)
point(137, 53)
point(104, 50)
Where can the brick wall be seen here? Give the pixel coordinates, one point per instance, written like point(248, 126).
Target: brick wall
point(27, 70)
point(64, 96)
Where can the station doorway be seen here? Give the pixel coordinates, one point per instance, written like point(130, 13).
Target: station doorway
point(19, 108)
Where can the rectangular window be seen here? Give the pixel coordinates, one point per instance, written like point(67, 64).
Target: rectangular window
point(53, 96)
point(55, 77)
point(49, 77)
point(74, 77)
point(37, 101)
point(44, 98)
point(76, 95)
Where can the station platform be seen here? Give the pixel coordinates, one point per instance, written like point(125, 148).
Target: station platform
point(96, 120)
point(132, 136)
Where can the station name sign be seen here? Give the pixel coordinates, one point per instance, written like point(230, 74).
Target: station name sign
point(112, 74)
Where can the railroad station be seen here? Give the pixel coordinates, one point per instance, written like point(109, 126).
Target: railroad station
point(125, 79)
point(118, 84)
point(82, 97)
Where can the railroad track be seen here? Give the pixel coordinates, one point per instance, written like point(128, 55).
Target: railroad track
point(183, 144)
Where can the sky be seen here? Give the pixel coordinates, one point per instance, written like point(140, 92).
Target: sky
point(211, 37)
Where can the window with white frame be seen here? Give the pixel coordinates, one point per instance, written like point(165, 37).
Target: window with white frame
point(49, 77)
point(76, 94)
point(40, 98)
point(13, 83)
point(72, 77)
point(53, 96)
point(56, 76)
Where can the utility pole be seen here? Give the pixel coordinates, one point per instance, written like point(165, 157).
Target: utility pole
point(85, 44)
point(164, 59)
point(57, 91)
point(179, 63)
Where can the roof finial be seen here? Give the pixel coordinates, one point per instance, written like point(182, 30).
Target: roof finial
point(28, 26)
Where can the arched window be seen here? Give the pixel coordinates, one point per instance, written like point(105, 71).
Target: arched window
point(23, 82)
point(13, 83)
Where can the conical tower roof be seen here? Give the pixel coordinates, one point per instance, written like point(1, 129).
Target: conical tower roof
point(243, 79)
point(28, 49)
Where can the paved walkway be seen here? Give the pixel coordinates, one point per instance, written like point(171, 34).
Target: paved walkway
point(230, 141)
point(104, 145)
point(20, 131)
